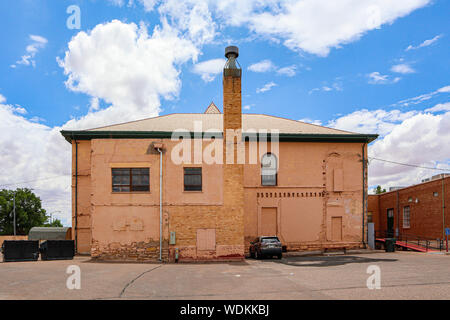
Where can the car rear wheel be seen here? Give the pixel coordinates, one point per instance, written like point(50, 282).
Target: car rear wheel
point(279, 256)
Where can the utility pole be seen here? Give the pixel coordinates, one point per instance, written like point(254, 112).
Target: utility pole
point(14, 210)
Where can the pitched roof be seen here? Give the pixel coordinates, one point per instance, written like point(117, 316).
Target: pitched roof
point(162, 127)
point(212, 108)
point(214, 122)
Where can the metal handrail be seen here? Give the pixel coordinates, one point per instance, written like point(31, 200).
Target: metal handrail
point(413, 239)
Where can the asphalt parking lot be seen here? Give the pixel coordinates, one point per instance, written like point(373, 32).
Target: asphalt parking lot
point(404, 275)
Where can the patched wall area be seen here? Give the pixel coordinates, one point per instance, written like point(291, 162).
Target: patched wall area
point(318, 198)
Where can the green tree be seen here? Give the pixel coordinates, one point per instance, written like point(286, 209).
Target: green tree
point(54, 223)
point(378, 190)
point(29, 212)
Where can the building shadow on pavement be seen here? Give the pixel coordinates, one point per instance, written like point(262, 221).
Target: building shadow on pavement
point(327, 261)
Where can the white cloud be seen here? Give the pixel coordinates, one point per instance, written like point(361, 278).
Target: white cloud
point(209, 69)
point(149, 5)
point(94, 104)
point(262, 66)
point(308, 120)
point(315, 26)
point(269, 66)
point(377, 121)
point(423, 97)
point(266, 87)
point(402, 68)
point(312, 26)
point(444, 89)
point(126, 67)
point(378, 78)
point(37, 43)
point(289, 71)
point(33, 151)
point(336, 86)
point(426, 43)
point(411, 137)
point(439, 107)
point(116, 62)
point(190, 16)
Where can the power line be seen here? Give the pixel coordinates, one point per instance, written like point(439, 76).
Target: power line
point(42, 179)
point(408, 165)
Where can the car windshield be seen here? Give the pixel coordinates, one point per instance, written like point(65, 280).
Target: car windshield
point(273, 239)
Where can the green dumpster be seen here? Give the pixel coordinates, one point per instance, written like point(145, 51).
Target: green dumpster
point(390, 244)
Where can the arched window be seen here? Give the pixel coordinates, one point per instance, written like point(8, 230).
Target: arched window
point(269, 167)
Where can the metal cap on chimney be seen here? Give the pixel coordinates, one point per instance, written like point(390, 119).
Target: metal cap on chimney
point(232, 67)
point(231, 50)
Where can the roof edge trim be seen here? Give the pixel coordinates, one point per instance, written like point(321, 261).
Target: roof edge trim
point(285, 137)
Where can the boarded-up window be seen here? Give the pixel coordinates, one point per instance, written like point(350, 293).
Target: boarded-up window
point(338, 183)
point(268, 221)
point(336, 228)
point(206, 239)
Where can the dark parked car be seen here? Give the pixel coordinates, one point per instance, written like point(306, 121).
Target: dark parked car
point(266, 247)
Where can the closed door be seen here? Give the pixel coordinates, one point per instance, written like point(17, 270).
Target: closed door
point(336, 228)
point(268, 222)
point(390, 223)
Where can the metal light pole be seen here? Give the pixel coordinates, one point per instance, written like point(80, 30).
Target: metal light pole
point(14, 210)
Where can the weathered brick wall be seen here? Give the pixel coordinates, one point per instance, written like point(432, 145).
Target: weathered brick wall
point(232, 212)
point(427, 218)
point(373, 207)
point(305, 197)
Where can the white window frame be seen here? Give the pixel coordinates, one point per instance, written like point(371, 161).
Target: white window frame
point(406, 217)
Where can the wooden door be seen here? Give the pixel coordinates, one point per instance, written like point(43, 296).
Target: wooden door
point(336, 228)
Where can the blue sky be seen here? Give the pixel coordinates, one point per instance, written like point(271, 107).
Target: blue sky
point(366, 66)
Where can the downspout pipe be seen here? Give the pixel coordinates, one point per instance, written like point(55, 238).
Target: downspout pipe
point(364, 193)
point(76, 196)
point(160, 204)
point(443, 207)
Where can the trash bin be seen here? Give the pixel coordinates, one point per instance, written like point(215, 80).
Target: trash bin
point(390, 244)
point(57, 250)
point(20, 250)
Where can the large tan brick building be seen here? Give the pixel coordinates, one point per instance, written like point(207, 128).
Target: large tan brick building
point(141, 194)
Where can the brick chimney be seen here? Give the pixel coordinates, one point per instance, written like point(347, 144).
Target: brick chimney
point(232, 215)
point(232, 101)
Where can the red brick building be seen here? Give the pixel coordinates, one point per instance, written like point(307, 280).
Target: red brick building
point(417, 210)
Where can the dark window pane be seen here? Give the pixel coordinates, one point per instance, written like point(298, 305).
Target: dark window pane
point(121, 189)
point(143, 171)
point(140, 180)
point(121, 171)
point(269, 180)
point(193, 179)
point(121, 180)
point(192, 188)
point(130, 179)
point(193, 170)
point(140, 188)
